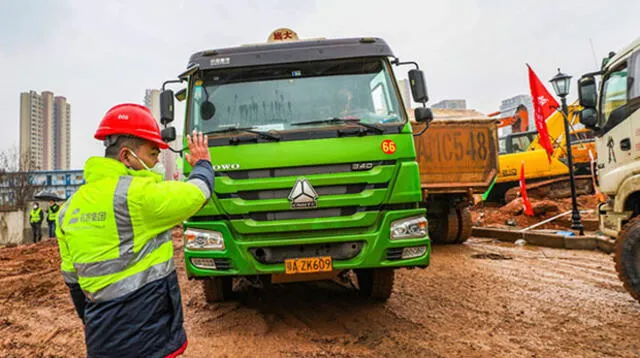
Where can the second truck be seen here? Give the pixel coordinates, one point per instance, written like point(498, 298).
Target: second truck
point(458, 159)
point(612, 110)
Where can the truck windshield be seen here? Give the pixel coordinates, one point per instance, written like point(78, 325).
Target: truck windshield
point(274, 97)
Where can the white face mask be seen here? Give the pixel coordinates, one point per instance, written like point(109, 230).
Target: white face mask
point(158, 168)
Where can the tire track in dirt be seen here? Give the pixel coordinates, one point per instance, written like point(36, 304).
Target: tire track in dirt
point(541, 302)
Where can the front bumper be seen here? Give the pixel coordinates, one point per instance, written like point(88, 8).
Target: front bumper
point(374, 248)
point(611, 222)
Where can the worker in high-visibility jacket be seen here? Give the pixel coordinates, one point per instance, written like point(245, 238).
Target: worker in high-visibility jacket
point(52, 211)
point(115, 242)
point(35, 219)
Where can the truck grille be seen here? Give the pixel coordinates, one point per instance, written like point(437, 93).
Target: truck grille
point(277, 254)
point(284, 193)
point(303, 214)
point(302, 171)
point(346, 196)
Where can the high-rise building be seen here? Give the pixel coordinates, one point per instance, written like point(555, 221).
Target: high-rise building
point(62, 130)
point(45, 126)
point(405, 92)
point(167, 157)
point(152, 101)
point(451, 104)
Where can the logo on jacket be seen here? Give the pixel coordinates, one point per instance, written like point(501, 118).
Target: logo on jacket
point(92, 217)
point(303, 195)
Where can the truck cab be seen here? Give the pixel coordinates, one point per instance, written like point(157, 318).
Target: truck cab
point(612, 109)
point(316, 172)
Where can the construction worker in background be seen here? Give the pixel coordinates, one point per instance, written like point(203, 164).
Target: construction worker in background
point(35, 218)
point(52, 211)
point(115, 242)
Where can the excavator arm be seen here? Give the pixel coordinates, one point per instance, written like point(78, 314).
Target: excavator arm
point(519, 121)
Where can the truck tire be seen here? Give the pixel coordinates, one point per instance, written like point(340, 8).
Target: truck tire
point(376, 284)
point(628, 256)
point(464, 220)
point(443, 228)
point(217, 289)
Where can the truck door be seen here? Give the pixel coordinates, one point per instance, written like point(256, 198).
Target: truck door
point(614, 144)
point(634, 104)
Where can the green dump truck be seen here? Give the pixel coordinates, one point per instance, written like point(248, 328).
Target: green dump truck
point(316, 172)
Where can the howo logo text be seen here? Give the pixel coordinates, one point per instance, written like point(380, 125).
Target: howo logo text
point(223, 167)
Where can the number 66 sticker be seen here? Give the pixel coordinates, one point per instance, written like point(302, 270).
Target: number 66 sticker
point(388, 146)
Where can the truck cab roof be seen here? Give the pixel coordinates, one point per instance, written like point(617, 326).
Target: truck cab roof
point(622, 55)
point(289, 52)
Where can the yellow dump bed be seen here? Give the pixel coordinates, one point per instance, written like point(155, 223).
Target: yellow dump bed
point(457, 155)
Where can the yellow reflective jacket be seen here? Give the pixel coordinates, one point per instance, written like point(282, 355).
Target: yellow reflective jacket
point(35, 215)
point(114, 233)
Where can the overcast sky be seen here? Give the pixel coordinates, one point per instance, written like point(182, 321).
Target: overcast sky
point(98, 54)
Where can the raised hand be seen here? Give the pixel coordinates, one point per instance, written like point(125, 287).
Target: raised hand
point(198, 148)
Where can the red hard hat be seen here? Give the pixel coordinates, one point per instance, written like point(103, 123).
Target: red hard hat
point(132, 119)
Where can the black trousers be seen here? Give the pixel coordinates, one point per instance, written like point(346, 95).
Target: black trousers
point(37, 231)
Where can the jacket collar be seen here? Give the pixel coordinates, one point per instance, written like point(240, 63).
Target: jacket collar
point(98, 168)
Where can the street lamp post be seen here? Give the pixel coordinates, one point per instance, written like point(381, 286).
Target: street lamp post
point(561, 84)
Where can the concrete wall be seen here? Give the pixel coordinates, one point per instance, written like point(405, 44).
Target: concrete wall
point(12, 228)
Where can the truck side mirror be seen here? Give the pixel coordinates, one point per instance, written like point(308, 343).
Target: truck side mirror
point(418, 86)
point(589, 117)
point(166, 107)
point(168, 134)
point(587, 92)
point(423, 115)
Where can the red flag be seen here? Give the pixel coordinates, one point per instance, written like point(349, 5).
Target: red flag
point(528, 210)
point(543, 106)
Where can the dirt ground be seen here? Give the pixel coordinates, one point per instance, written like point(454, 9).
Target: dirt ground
point(493, 215)
point(480, 299)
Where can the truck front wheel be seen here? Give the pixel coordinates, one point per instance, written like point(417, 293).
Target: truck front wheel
point(218, 289)
point(628, 256)
point(375, 284)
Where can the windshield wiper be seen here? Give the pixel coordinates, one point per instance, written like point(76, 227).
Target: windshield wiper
point(336, 120)
point(272, 136)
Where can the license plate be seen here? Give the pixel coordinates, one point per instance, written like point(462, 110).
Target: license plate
point(308, 265)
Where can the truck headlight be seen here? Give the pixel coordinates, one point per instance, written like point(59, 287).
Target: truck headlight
point(197, 239)
point(409, 228)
